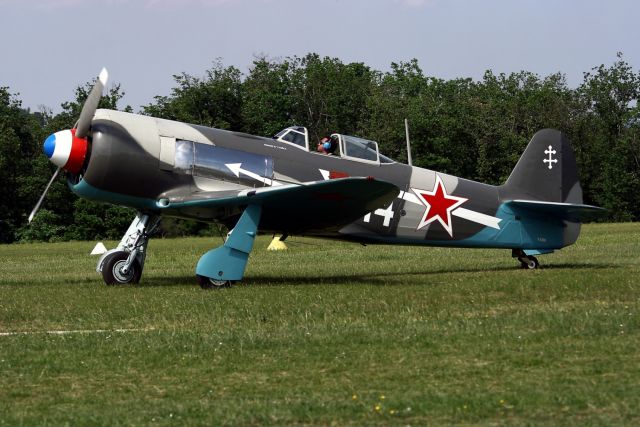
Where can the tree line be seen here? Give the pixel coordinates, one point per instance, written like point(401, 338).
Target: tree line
point(476, 129)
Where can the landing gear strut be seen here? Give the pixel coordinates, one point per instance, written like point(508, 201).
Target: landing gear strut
point(219, 267)
point(527, 262)
point(125, 263)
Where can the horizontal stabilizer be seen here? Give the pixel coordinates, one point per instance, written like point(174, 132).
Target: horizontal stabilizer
point(573, 212)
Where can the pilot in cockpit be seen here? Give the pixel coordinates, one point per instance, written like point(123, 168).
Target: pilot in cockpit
point(327, 145)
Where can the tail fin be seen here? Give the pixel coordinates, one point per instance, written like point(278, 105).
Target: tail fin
point(545, 184)
point(546, 171)
point(544, 194)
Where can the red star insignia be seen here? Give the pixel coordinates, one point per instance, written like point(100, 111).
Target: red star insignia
point(439, 205)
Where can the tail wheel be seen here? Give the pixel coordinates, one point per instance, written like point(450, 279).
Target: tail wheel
point(529, 263)
point(112, 272)
point(209, 283)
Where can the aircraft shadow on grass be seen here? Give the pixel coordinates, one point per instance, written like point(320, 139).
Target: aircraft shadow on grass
point(386, 279)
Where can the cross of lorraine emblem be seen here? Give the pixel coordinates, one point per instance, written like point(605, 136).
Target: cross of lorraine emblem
point(550, 151)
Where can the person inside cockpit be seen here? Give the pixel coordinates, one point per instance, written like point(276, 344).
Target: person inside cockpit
point(327, 145)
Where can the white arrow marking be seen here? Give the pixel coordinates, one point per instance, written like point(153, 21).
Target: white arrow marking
point(236, 168)
point(409, 197)
point(325, 174)
point(480, 218)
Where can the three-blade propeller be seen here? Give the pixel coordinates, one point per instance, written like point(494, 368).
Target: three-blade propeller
point(65, 148)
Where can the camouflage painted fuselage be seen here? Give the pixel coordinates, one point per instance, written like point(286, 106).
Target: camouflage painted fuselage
point(144, 163)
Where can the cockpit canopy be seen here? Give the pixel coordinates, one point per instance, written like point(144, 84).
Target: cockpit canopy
point(296, 135)
point(349, 147)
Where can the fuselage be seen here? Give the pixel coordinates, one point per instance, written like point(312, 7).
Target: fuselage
point(150, 164)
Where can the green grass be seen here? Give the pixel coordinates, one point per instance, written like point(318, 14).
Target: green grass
point(326, 333)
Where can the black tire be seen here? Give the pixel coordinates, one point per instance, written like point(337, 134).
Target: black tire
point(111, 273)
point(209, 283)
point(530, 263)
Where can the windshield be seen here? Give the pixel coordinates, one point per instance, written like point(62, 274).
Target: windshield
point(296, 135)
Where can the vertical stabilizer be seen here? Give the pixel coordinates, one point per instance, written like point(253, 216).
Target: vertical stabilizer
point(546, 171)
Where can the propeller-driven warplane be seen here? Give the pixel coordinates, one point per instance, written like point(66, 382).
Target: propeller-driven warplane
point(346, 189)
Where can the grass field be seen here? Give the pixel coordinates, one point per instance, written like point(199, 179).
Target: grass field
point(325, 333)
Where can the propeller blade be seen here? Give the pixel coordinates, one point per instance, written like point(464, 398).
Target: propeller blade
point(35, 210)
point(91, 105)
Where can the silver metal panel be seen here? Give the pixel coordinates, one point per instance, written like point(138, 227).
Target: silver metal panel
point(167, 152)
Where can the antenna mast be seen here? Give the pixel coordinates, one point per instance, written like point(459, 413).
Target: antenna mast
point(406, 131)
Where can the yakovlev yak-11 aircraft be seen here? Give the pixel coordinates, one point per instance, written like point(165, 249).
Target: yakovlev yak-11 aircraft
point(284, 185)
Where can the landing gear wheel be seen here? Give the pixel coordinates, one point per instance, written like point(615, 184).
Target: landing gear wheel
point(209, 283)
point(529, 263)
point(112, 273)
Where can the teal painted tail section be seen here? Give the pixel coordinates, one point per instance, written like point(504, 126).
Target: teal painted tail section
point(520, 229)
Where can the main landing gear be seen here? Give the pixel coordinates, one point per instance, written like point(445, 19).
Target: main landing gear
point(527, 262)
point(222, 266)
point(125, 263)
point(216, 269)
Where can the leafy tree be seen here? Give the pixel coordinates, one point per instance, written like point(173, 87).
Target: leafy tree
point(329, 96)
point(213, 101)
point(511, 108)
point(44, 228)
point(18, 135)
point(439, 114)
point(607, 123)
point(388, 106)
point(267, 103)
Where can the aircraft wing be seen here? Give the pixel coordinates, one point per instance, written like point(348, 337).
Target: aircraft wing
point(567, 211)
point(313, 205)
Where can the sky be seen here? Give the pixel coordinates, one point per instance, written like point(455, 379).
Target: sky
point(49, 47)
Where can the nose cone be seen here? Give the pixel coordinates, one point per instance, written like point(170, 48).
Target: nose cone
point(57, 147)
point(65, 150)
point(49, 145)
